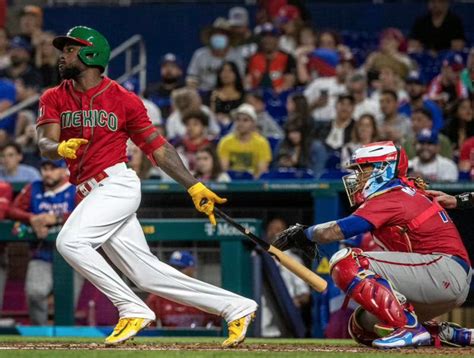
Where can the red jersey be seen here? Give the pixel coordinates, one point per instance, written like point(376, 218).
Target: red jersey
point(6, 195)
point(172, 314)
point(106, 115)
point(467, 154)
point(392, 212)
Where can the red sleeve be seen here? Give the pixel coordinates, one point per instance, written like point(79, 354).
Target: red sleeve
point(6, 196)
point(139, 127)
point(466, 149)
point(380, 211)
point(48, 108)
point(20, 209)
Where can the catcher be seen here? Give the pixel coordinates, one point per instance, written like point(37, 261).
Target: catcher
point(424, 270)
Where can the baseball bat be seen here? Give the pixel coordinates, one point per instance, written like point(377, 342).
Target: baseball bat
point(315, 281)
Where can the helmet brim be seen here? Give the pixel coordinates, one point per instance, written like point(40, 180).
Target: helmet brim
point(61, 41)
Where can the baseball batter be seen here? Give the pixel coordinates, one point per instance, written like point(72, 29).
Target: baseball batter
point(87, 120)
point(425, 270)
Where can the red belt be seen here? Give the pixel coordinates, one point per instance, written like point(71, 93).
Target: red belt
point(86, 187)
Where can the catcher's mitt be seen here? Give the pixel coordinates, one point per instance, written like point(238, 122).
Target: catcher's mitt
point(294, 237)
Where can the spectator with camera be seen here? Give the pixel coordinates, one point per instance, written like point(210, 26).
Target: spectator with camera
point(322, 93)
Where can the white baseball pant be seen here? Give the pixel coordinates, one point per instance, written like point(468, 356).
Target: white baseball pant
point(106, 218)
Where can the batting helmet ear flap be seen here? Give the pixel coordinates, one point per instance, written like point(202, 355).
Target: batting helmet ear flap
point(95, 50)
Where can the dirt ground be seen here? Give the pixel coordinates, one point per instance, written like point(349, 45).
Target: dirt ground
point(215, 347)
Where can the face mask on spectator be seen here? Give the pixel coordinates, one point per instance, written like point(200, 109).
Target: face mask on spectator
point(219, 41)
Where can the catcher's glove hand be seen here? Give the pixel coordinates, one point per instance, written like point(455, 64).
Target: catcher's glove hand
point(294, 237)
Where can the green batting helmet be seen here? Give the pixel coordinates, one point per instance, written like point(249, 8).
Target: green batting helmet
point(95, 50)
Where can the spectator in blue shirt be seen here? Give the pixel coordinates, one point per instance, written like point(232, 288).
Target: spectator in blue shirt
point(7, 99)
point(416, 89)
point(11, 170)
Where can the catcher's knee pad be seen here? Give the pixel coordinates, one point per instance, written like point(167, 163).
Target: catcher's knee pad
point(349, 269)
point(357, 330)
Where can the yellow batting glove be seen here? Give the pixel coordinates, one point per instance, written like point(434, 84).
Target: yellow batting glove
point(68, 148)
point(201, 194)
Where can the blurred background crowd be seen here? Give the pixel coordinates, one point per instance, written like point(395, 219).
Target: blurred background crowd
point(284, 99)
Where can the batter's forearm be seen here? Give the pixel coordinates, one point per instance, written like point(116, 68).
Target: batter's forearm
point(49, 148)
point(168, 159)
point(326, 233)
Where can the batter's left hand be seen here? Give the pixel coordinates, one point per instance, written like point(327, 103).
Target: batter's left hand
point(201, 194)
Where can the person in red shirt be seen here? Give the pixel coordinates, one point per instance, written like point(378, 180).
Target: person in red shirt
point(270, 68)
point(424, 267)
point(6, 197)
point(173, 314)
point(466, 160)
point(88, 120)
point(196, 123)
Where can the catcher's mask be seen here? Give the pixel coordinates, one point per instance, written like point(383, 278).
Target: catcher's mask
point(373, 166)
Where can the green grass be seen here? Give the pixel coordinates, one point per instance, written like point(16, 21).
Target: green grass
point(119, 353)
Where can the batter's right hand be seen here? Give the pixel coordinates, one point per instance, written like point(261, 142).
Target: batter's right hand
point(67, 148)
point(445, 200)
point(204, 200)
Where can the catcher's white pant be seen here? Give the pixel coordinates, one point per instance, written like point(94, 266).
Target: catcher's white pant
point(106, 218)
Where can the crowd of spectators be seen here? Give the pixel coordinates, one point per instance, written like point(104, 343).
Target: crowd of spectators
point(282, 100)
point(287, 100)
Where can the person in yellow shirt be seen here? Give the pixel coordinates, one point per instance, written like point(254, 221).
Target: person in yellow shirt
point(244, 149)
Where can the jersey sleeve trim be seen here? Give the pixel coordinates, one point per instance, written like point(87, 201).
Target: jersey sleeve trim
point(46, 121)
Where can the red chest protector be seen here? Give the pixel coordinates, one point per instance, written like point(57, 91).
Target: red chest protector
point(397, 237)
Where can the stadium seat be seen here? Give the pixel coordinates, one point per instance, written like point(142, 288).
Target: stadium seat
point(237, 175)
point(274, 143)
point(275, 103)
point(332, 175)
point(287, 174)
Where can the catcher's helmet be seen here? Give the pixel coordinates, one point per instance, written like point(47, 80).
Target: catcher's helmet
point(96, 49)
point(386, 161)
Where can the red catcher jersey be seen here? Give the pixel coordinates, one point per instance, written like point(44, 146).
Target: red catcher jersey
point(105, 115)
point(391, 212)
